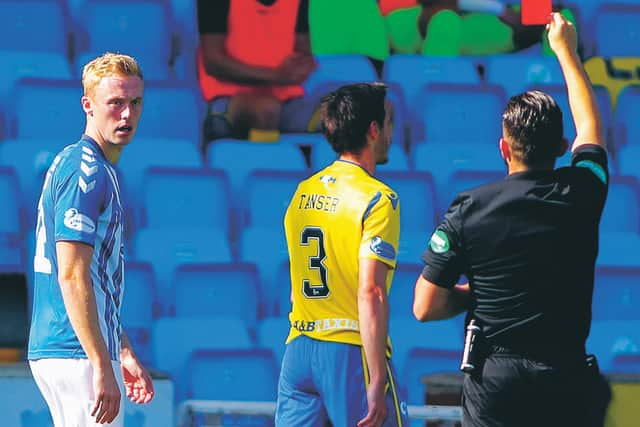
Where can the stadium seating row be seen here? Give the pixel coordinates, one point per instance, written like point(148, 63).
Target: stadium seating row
point(214, 354)
point(424, 90)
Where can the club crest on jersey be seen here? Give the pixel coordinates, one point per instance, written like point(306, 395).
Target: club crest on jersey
point(393, 198)
point(327, 179)
point(439, 242)
point(74, 220)
point(382, 249)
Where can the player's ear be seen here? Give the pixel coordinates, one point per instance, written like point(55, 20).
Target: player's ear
point(87, 105)
point(505, 150)
point(374, 129)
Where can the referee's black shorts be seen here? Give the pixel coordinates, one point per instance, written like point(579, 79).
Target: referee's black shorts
point(512, 391)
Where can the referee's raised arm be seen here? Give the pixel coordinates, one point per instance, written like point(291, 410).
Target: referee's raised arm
point(582, 100)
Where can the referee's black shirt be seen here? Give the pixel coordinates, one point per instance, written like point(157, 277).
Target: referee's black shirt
point(528, 245)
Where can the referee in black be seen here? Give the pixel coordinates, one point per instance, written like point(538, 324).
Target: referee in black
point(528, 245)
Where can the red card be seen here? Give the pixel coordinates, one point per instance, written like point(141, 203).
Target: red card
point(536, 12)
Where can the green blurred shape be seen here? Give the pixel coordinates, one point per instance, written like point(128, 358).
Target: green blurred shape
point(354, 27)
point(402, 27)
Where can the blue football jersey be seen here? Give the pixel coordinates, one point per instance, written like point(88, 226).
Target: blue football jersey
point(80, 202)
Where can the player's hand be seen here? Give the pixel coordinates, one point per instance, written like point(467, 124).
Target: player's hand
point(562, 35)
point(106, 395)
point(295, 69)
point(376, 401)
point(137, 381)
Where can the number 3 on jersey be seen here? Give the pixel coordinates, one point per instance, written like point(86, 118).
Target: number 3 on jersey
point(315, 262)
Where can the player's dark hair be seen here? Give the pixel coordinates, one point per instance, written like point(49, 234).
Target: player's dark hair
point(347, 113)
point(533, 123)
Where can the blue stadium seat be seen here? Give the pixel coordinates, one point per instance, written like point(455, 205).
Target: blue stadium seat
point(402, 287)
point(10, 244)
point(443, 160)
point(115, 26)
point(622, 208)
point(619, 248)
point(174, 339)
point(515, 73)
point(144, 153)
point(340, 68)
point(626, 128)
point(266, 247)
point(268, 195)
point(610, 338)
point(229, 289)
point(616, 30)
point(460, 112)
point(136, 312)
point(424, 348)
point(165, 249)
point(60, 117)
point(417, 199)
point(282, 289)
point(272, 333)
point(559, 94)
point(411, 72)
point(31, 159)
point(239, 158)
point(138, 157)
point(616, 293)
point(161, 118)
point(184, 197)
point(627, 159)
point(240, 375)
point(16, 65)
point(34, 25)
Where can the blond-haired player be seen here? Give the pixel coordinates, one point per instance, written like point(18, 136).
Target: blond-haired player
point(79, 354)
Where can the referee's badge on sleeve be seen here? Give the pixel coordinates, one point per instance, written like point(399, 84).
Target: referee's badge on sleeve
point(439, 242)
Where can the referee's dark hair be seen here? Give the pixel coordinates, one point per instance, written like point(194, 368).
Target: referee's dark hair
point(532, 122)
point(347, 112)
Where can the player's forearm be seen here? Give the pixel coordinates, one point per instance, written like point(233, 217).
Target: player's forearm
point(80, 302)
point(582, 100)
point(373, 313)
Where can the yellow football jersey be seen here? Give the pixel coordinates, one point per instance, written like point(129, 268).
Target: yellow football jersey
point(336, 217)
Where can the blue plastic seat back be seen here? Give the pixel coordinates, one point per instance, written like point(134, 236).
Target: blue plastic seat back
point(515, 73)
point(115, 26)
point(343, 68)
point(60, 117)
point(411, 72)
point(627, 127)
point(165, 249)
point(417, 199)
point(34, 25)
point(16, 65)
point(161, 118)
point(229, 289)
point(186, 198)
point(174, 339)
point(616, 293)
point(272, 333)
point(460, 112)
point(240, 375)
point(616, 30)
point(266, 247)
point(269, 193)
point(622, 208)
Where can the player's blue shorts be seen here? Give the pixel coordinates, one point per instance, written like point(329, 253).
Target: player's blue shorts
point(322, 382)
